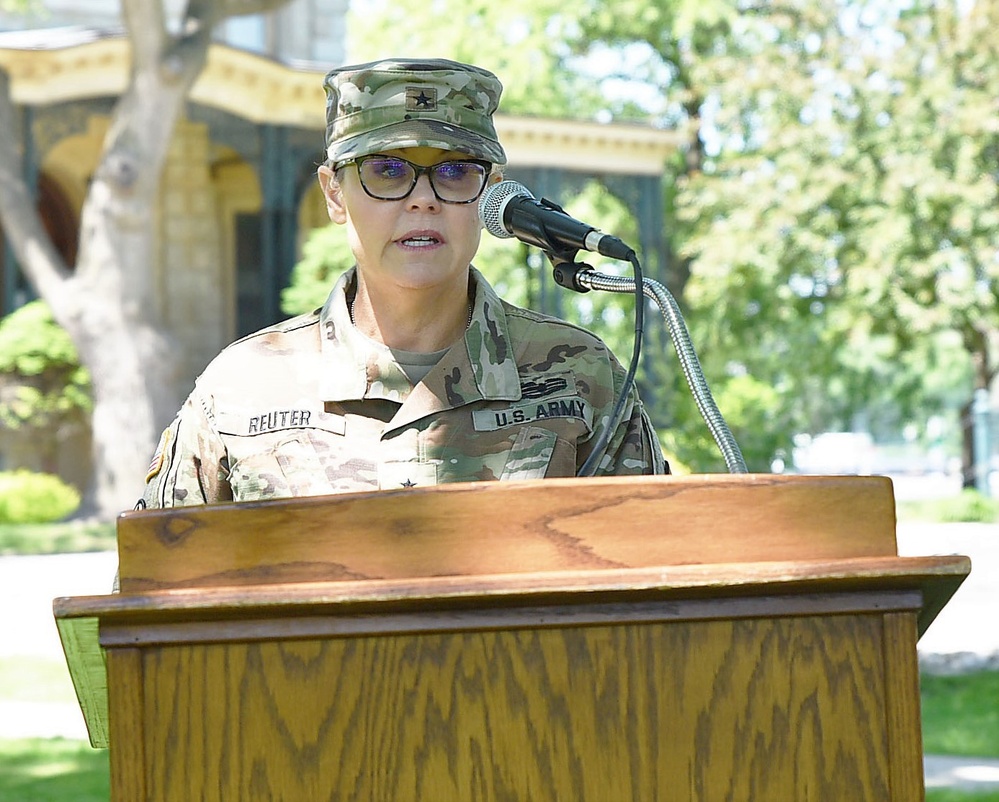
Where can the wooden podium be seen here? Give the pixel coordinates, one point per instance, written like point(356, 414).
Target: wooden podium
point(660, 638)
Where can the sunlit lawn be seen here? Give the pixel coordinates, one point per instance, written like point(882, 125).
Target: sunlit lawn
point(961, 714)
point(53, 770)
point(949, 795)
point(47, 769)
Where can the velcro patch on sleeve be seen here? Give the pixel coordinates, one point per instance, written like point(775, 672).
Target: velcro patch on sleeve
point(159, 457)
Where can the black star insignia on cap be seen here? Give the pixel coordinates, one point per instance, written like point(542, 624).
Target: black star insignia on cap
point(421, 98)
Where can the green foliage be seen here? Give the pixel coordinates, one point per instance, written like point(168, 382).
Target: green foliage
point(42, 383)
point(955, 719)
point(325, 255)
point(969, 506)
point(28, 497)
point(31, 342)
point(831, 221)
point(520, 40)
point(847, 218)
point(21, 6)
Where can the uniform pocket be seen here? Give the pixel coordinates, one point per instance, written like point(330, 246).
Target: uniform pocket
point(530, 455)
point(302, 463)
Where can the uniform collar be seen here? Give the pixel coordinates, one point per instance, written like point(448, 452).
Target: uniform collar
point(482, 366)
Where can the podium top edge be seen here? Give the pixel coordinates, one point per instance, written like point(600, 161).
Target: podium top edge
point(735, 579)
point(635, 484)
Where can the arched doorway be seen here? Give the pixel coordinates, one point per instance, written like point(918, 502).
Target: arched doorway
point(61, 222)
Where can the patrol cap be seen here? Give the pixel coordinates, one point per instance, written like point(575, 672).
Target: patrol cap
point(407, 103)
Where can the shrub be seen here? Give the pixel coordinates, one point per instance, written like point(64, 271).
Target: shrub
point(45, 384)
point(325, 255)
point(969, 506)
point(29, 497)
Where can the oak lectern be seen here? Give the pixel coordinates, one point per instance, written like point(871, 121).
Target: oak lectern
point(702, 638)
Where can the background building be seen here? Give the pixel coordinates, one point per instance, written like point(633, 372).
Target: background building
point(238, 192)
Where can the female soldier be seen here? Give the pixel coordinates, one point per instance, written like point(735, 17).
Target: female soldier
point(414, 372)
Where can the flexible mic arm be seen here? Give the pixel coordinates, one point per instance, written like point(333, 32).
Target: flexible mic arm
point(583, 278)
point(508, 209)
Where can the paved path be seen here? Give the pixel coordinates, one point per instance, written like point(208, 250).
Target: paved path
point(966, 774)
point(961, 625)
point(28, 585)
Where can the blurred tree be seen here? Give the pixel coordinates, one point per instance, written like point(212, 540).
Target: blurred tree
point(325, 255)
point(850, 218)
point(522, 41)
point(105, 302)
point(648, 57)
point(831, 222)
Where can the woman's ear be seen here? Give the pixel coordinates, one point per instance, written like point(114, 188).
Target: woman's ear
point(333, 194)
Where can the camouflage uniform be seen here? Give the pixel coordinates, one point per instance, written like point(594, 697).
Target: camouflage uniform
point(311, 406)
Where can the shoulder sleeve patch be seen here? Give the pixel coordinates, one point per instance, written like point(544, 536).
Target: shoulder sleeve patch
point(159, 456)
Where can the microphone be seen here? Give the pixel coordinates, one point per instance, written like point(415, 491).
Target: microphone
point(508, 209)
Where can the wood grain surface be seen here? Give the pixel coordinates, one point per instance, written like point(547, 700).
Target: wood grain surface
point(657, 638)
point(777, 709)
point(510, 527)
point(919, 585)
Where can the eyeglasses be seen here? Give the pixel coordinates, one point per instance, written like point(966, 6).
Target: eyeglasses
point(392, 178)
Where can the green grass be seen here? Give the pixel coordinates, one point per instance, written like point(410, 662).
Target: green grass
point(59, 538)
point(961, 714)
point(53, 770)
point(969, 506)
point(953, 795)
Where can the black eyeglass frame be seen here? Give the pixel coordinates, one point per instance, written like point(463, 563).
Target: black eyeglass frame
point(419, 170)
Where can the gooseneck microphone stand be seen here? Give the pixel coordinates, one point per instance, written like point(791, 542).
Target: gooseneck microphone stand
point(580, 277)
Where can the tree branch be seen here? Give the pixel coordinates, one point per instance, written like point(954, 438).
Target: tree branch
point(145, 23)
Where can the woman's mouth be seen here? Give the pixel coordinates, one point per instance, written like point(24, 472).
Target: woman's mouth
point(420, 240)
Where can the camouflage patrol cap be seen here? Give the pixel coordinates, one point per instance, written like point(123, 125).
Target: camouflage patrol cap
point(405, 103)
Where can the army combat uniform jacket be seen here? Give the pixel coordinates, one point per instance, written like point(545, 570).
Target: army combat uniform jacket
point(311, 406)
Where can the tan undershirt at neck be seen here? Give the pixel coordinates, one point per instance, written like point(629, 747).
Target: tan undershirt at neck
point(415, 365)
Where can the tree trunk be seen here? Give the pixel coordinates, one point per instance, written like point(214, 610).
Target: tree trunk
point(967, 445)
point(134, 377)
point(977, 343)
point(107, 305)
